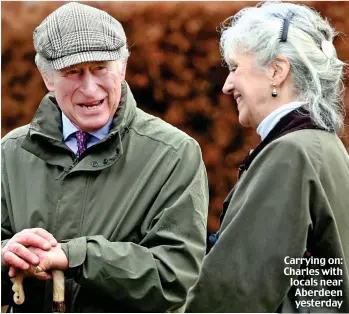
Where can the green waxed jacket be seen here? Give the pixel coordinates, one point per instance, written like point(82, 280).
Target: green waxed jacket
point(294, 198)
point(131, 214)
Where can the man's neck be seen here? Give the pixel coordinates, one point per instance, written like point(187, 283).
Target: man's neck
point(70, 128)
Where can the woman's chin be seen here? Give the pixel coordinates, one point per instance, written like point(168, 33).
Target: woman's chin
point(243, 120)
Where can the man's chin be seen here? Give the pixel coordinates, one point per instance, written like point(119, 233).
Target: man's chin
point(95, 125)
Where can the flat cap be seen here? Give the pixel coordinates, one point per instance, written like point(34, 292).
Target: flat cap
point(77, 33)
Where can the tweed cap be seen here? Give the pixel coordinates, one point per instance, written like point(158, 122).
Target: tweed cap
point(77, 33)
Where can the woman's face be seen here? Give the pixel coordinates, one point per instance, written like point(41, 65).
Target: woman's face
point(251, 88)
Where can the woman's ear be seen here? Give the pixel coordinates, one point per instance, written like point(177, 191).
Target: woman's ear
point(279, 70)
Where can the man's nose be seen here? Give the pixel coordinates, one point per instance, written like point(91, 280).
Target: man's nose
point(228, 87)
point(88, 84)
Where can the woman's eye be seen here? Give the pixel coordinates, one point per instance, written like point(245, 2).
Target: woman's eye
point(233, 69)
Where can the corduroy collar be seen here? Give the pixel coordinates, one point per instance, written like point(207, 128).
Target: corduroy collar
point(296, 120)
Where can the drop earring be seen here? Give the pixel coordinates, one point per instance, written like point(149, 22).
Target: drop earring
point(274, 93)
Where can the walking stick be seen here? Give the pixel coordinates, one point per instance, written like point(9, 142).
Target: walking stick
point(17, 288)
point(58, 305)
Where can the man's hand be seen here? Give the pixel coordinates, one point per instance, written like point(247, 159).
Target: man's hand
point(16, 254)
point(55, 258)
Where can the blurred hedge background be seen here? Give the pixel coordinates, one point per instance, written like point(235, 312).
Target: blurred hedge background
point(174, 72)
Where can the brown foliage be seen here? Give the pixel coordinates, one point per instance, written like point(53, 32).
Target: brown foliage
point(174, 71)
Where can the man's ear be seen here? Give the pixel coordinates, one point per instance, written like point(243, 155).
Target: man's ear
point(48, 80)
point(123, 66)
point(279, 70)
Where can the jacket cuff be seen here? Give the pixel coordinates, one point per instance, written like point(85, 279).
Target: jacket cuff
point(75, 250)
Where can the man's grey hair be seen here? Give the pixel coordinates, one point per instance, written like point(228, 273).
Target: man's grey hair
point(318, 79)
point(43, 66)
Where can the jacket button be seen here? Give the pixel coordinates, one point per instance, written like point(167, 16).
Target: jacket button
point(117, 151)
point(105, 161)
point(94, 163)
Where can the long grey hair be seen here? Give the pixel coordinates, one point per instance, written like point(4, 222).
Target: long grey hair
point(317, 73)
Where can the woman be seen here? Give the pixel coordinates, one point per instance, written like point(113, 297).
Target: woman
point(286, 222)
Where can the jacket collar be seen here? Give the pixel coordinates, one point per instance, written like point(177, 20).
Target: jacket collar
point(47, 120)
point(294, 121)
point(274, 117)
point(298, 119)
point(45, 138)
point(69, 128)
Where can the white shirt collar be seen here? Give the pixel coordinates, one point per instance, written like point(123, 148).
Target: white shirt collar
point(69, 128)
point(274, 117)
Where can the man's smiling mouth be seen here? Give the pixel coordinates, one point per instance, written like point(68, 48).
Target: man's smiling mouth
point(92, 105)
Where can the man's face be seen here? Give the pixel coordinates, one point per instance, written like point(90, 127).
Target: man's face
point(89, 93)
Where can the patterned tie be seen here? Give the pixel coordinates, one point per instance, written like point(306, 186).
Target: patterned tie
point(81, 139)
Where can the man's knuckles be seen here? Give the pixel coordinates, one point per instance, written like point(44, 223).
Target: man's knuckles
point(22, 252)
point(14, 260)
point(16, 248)
point(25, 238)
point(32, 239)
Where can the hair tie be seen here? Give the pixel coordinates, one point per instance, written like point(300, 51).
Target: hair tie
point(328, 49)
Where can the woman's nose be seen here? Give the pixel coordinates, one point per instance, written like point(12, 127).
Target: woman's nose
point(228, 87)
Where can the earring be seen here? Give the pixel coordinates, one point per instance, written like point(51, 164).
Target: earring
point(274, 93)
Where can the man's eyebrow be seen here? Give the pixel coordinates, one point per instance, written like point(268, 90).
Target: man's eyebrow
point(93, 63)
point(70, 67)
point(101, 62)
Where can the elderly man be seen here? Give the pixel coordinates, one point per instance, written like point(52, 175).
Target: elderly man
point(94, 186)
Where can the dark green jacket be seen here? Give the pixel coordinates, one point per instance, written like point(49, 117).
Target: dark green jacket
point(132, 213)
point(294, 198)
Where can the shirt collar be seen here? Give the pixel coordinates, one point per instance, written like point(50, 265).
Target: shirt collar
point(274, 117)
point(69, 128)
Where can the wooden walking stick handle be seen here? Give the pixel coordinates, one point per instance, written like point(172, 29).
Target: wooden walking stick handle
point(17, 288)
point(58, 305)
